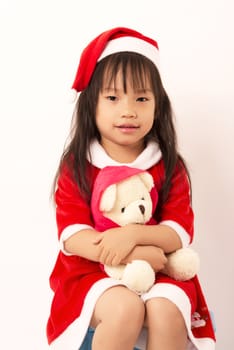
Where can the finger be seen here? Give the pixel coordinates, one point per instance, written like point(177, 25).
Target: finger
point(116, 260)
point(104, 257)
point(110, 258)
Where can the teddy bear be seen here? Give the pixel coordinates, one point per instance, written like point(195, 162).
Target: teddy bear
point(122, 195)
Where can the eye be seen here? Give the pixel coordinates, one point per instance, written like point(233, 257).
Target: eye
point(123, 210)
point(143, 198)
point(112, 98)
point(142, 99)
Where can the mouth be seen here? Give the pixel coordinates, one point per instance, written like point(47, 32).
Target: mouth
point(130, 126)
point(127, 127)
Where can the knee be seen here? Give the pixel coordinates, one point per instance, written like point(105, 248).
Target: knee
point(161, 313)
point(119, 313)
point(130, 309)
point(124, 306)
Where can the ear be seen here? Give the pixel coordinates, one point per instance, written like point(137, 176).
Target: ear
point(108, 198)
point(147, 180)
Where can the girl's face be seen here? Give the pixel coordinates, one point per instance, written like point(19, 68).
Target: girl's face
point(124, 116)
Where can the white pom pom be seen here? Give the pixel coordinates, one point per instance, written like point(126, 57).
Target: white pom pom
point(115, 271)
point(138, 276)
point(73, 94)
point(183, 264)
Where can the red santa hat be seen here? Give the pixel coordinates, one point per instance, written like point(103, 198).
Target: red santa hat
point(112, 41)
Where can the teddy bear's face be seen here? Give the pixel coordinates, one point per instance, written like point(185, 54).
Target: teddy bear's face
point(132, 202)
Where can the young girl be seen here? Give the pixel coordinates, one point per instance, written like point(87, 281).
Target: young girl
point(123, 117)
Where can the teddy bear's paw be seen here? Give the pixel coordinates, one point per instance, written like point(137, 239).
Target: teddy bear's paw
point(138, 276)
point(183, 264)
point(115, 272)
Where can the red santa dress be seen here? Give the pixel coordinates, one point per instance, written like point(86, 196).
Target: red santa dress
point(77, 283)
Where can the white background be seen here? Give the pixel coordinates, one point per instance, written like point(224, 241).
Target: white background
point(40, 43)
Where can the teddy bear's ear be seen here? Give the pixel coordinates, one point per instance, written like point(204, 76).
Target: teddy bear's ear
point(147, 180)
point(108, 198)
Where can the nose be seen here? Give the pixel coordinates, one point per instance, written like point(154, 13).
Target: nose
point(129, 114)
point(142, 209)
point(128, 110)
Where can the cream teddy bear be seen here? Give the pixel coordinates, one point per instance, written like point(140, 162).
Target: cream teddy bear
point(124, 195)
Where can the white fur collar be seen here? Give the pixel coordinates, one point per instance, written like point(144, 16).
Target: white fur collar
point(149, 157)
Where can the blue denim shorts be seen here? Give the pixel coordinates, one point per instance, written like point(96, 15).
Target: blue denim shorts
point(87, 343)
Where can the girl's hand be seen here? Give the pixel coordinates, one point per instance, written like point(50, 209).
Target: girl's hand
point(114, 245)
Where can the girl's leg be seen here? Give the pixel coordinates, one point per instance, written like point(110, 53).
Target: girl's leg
point(166, 327)
point(118, 318)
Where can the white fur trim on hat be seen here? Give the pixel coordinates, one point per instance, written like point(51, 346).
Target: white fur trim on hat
point(131, 44)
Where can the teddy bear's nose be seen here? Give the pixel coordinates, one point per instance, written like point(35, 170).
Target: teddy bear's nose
point(142, 209)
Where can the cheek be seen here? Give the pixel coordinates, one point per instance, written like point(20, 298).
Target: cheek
point(102, 113)
point(149, 124)
point(99, 118)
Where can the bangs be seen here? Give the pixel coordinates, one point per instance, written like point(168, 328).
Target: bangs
point(133, 67)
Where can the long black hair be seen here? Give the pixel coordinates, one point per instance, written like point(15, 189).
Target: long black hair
point(84, 128)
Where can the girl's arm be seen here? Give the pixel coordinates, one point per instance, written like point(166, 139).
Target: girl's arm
point(117, 243)
point(114, 245)
point(81, 244)
point(153, 255)
point(161, 236)
point(124, 244)
point(109, 247)
point(72, 213)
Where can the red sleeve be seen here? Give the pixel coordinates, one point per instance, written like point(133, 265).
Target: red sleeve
point(177, 207)
point(71, 208)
